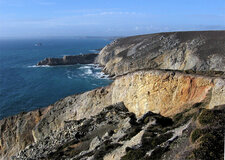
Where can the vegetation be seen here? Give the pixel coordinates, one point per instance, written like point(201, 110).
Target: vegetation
point(211, 137)
point(196, 134)
point(211, 147)
point(134, 155)
point(207, 117)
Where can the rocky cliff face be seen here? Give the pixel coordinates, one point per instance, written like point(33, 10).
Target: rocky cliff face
point(16, 132)
point(149, 113)
point(167, 93)
point(116, 133)
point(198, 51)
point(69, 60)
point(163, 92)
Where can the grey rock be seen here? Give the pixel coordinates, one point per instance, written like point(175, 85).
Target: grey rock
point(95, 143)
point(69, 60)
point(196, 50)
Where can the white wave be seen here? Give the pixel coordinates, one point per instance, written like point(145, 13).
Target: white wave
point(88, 71)
point(98, 68)
point(91, 64)
point(35, 66)
point(94, 50)
point(101, 75)
point(85, 67)
point(69, 77)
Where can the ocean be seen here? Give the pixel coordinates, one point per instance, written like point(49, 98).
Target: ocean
point(26, 87)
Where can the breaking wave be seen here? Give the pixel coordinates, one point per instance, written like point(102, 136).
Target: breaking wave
point(35, 66)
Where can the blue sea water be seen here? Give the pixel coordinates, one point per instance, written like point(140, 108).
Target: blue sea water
point(26, 87)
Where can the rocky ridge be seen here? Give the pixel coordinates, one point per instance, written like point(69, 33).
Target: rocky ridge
point(194, 50)
point(147, 112)
point(69, 60)
point(116, 133)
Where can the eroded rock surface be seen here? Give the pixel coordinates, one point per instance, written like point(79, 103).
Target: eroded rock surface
point(164, 92)
point(115, 133)
point(16, 132)
point(198, 51)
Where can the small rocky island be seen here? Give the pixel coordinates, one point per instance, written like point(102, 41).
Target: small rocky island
point(69, 60)
point(167, 102)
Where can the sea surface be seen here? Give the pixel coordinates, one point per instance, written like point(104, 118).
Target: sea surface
point(26, 87)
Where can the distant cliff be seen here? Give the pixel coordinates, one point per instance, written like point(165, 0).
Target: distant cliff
point(69, 60)
point(167, 102)
point(195, 50)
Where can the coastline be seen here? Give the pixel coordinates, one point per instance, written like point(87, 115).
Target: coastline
point(146, 109)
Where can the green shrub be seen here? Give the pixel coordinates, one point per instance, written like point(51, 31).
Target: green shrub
point(211, 146)
point(134, 155)
point(206, 117)
point(195, 135)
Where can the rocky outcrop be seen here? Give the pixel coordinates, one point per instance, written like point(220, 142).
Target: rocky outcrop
point(115, 133)
point(197, 51)
point(69, 60)
point(16, 131)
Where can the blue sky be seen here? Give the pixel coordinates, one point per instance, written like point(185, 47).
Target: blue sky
point(41, 18)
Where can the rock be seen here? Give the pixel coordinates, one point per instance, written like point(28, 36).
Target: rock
point(94, 143)
point(89, 138)
point(16, 131)
point(197, 50)
point(164, 92)
point(121, 151)
point(69, 60)
point(83, 136)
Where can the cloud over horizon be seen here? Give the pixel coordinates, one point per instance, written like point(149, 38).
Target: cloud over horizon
point(56, 18)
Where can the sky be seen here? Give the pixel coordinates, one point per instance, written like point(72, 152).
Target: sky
point(43, 18)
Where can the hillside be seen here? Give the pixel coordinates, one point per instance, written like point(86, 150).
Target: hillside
point(196, 51)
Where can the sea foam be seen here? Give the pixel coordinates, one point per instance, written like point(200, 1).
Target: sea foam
point(36, 66)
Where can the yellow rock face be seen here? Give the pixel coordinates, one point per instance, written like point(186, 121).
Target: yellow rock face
point(166, 93)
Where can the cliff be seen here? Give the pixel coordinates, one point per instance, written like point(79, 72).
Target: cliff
point(117, 134)
point(145, 113)
point(196, 50)
point(69, 60)
point(163, 92)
